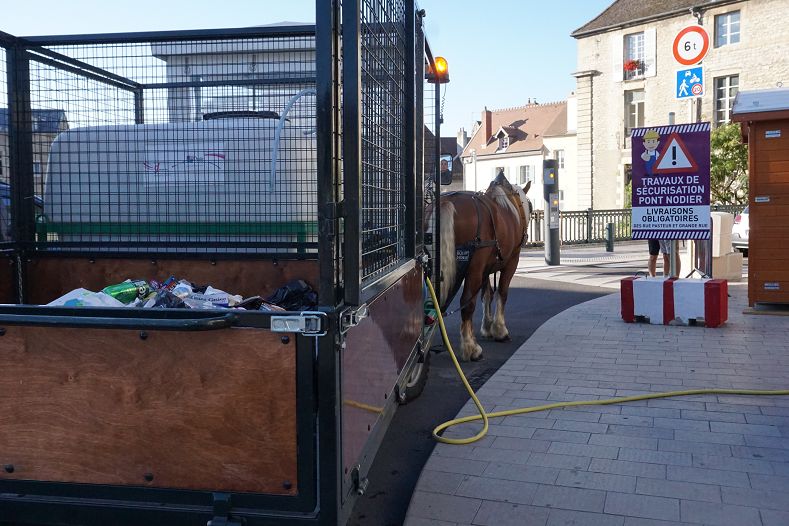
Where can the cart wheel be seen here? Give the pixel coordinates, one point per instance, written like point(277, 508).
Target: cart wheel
point(417, 378)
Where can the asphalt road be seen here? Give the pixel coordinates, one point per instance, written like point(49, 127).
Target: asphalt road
point(408, 442)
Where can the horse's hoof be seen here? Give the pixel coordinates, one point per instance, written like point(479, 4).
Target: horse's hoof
point(476, 358)
point(504, 339)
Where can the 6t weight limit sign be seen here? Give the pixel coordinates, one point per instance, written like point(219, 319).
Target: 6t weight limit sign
point(691, 45)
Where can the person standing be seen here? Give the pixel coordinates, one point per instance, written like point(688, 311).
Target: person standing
point(661, 246)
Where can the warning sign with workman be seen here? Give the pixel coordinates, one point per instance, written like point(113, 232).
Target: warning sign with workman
point(671, 182)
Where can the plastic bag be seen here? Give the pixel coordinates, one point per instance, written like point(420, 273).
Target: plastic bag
point(86, 298)
point(294, 295)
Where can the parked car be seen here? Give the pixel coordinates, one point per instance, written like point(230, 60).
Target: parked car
point(740, 230)
point(5, 211)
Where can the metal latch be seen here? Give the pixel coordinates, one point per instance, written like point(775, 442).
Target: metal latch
point(222, 507)
point(307, 323)
point(351, 317)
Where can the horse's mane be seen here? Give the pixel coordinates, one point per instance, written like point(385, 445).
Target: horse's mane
point(497, 193)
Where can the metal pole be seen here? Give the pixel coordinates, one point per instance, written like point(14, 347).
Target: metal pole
point(437, 189)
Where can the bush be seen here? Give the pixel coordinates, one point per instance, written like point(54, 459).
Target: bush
point(728, 166)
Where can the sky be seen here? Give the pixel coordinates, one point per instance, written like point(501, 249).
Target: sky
point(500, 54)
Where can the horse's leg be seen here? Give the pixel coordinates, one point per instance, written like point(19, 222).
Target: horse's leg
point(487, 303)
point(499, 328)
point(468, 344)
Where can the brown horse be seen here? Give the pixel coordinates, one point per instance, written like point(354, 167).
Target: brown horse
point(482, 234)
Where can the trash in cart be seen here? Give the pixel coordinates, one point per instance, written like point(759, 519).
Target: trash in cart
point(176, 293)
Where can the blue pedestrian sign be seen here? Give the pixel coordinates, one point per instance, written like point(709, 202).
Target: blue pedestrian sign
point(690, 83)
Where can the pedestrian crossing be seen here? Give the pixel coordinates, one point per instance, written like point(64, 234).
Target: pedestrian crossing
point(591, 266)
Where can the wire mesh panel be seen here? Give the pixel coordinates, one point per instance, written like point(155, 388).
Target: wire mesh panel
point(383, 28)
point(195, 142)
point(5, 157)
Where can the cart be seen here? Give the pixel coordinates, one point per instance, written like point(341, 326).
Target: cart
point(242, 158)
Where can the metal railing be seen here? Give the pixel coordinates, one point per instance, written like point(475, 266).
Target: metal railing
point(588, 226)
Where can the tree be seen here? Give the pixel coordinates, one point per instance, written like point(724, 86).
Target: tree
point(728, 166)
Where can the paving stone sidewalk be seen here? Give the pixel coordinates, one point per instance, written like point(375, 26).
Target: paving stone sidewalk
point(718, 460)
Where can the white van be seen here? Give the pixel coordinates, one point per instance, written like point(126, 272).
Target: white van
point(207, 181)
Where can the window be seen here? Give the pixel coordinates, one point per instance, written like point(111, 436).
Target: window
point(725, 90)
point(504, 143)
point(634, 56)
point(634, 110)
point(559, 156)
point(526, 174)
point(727, 29)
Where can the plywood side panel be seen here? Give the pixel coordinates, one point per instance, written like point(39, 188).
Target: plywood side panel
point(209, 410)
point(376, 351)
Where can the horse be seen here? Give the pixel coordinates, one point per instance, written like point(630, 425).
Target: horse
point(482, 234)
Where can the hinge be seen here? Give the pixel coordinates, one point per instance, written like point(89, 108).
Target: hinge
point(330, 212)
point(351, 317)
point(307, 323)
point(359, 483)
point(222, 507)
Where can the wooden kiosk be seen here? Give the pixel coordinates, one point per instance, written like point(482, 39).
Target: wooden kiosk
point(764, 118)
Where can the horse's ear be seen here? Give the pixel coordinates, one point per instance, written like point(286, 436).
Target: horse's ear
point(526, 188)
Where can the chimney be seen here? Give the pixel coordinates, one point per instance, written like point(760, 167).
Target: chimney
point(487, 118)
point(462, 138)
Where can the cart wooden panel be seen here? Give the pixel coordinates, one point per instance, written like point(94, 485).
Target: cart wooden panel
point(211, 410)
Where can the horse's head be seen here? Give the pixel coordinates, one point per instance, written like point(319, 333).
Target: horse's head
point(501, 180)
point(500, 188)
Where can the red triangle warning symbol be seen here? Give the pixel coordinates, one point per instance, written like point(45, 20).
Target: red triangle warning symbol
point(675, 157)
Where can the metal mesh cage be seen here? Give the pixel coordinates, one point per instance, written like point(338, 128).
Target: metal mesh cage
point(198, 142)
point(5, 157)
point(384, 138)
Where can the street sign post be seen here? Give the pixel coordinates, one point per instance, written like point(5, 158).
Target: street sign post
point(690, 83)
point(671, 182)
point(691, 45)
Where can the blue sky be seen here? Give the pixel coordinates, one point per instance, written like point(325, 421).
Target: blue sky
point(500, 53)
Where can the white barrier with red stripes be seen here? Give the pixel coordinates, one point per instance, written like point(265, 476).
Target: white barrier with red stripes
point(661, 301)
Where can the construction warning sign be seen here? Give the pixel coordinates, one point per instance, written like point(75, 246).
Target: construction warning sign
point(671, 182)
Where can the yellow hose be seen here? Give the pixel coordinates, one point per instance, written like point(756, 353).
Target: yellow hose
point(484, 416)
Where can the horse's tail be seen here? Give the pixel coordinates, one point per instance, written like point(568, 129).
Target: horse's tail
point(448, 264)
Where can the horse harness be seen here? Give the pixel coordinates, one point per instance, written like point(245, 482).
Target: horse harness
point(465, 252)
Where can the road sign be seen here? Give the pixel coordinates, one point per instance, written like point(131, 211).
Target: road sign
point(675, 157)
point(691, 45)
point(690, 83)
point(671, 182)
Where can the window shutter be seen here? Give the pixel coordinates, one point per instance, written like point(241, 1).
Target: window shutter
point(617, 57)
point(650, 69)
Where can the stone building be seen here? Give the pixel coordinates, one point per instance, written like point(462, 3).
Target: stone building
point(627, 76)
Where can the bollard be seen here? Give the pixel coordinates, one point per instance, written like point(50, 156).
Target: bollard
point(609, 237)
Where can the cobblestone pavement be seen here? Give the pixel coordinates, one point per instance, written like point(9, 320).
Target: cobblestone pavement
point(719, 460)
